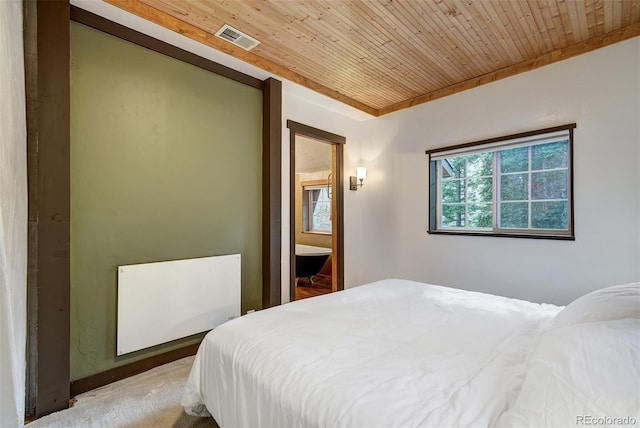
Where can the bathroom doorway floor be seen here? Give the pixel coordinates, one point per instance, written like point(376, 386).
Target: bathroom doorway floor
point(321, 285)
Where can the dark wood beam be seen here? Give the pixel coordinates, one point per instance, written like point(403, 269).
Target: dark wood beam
point(271, 193)
point(48, 95)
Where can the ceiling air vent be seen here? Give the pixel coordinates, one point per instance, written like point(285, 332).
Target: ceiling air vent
point(234, 36)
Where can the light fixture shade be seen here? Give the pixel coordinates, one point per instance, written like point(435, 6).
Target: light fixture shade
point(361, 172)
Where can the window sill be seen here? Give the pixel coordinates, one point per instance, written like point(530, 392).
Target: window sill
point(316, 232)
point(504, 235)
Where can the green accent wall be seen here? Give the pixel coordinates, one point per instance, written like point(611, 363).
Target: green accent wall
point(165, 165)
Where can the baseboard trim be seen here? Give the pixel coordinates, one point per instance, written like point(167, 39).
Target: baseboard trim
point(122, 372)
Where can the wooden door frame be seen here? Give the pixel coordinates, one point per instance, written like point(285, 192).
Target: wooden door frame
point(338, 141)
point(47, 62)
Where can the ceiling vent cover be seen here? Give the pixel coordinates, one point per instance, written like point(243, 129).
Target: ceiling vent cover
point(236, 37)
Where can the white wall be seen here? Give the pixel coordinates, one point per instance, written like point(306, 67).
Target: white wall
point(13, 216)
point(297, 107)
point(600, 91)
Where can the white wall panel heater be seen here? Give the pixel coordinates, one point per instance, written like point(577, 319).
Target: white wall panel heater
point(163, 301)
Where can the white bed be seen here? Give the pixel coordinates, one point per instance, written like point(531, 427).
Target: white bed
point(407, 354)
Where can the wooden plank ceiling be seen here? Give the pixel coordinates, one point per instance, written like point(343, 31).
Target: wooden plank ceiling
point(384, 55)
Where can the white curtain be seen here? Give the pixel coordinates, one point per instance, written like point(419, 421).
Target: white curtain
point(13, 216)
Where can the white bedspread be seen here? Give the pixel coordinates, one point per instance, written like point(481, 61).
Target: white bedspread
point(391, 353)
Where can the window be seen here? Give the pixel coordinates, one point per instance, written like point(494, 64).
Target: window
point(316, 207)
point(518, 185)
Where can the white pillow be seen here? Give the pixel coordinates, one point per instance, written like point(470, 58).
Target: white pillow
point(581, 375)
point(608, 304)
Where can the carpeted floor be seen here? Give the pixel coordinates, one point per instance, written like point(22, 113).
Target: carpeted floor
point(150, 399)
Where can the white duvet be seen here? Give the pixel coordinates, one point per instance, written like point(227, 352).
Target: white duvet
point(391, 353)
point(585, 370)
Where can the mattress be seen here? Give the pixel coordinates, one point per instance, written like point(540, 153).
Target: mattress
point(390, 353)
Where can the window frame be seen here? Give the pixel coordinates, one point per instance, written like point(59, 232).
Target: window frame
point(307, 208)
point(435, 189)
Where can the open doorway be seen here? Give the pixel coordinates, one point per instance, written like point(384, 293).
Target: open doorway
point(316, 212)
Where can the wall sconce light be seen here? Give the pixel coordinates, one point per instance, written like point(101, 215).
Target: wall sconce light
point(361, 174)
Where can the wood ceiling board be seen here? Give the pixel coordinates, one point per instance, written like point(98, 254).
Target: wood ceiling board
point(357, 77)
point(406, 60)
point(596, 18)
point(383, 55)
point(334, 69)
point(429, 45)
point(546, 59)
point(327, 69)
point(375, 54)
point(489, 54)
point(361, 33)
point(174, 24)
point(549, 24)
point(461, 45)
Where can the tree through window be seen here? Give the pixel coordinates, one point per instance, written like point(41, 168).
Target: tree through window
point(518, 185)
